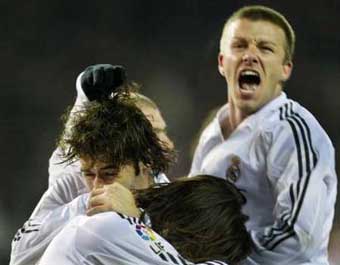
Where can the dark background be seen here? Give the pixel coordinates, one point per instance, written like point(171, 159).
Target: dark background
point(168, 46)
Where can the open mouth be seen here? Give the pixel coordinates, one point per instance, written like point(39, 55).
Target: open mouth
point(249, 80)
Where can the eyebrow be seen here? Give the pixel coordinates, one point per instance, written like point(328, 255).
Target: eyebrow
point(259, 42)
point(238, 38)
point(103, 168)
point(85, 169)
point(267, 42)
point(108, 167)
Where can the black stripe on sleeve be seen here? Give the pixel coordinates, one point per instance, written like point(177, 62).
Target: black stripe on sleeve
point(283, 225)
point(309, 138)
point(173, 259)
point(220, 262)
point(291, 193)
point(214, 262)
point(286, 227)
point(299, 128)
point(121, 216)
point(288, 235)
point(182, 260)
point(163, 257)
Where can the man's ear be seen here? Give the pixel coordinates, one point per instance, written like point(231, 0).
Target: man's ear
point(143, 170)
point(220, 63)
point(287, 69)
point(145, 178)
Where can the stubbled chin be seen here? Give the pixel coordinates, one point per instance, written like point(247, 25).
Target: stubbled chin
point(247, 107)
point(247, 94)
point(246, 100)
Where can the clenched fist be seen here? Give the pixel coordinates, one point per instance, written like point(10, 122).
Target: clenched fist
point(112, 197)
point(100, 80)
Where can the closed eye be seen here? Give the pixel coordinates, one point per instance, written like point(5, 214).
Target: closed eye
point(108, 175)
point(267, 48)
point(88, 174)
point(239, 45)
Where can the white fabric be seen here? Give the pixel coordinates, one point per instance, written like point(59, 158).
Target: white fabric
point(109, 238)
point(283, 161)
point(56, 208)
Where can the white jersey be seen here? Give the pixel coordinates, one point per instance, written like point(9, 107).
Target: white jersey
point(283, 162)
point(111, 238)
point(56, 208)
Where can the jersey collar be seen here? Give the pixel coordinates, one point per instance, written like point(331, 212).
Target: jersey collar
point(253, 119)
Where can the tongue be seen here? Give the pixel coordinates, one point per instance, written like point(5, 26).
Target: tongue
point(250, 87)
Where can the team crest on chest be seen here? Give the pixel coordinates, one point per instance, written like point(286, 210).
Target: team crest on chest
point(233, 172)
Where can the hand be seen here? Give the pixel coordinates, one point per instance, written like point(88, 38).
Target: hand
point(100, 80)
point(112, 197)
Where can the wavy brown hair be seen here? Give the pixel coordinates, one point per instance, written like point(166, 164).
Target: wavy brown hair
point(114, 131)
point(200, 216)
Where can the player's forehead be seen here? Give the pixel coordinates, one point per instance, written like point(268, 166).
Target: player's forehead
point(87, 163)
point(254, 30)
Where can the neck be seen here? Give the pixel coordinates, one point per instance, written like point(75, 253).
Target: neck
point(235, 117)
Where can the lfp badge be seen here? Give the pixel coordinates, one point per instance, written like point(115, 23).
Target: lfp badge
point(145, 232)
point(148, 235)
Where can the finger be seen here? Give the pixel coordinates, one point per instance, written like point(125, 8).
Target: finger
point(98, 76)
point(97, 200)
point(96, 210)
point(87, 77)
point(119, 75)
point(97, 191)
point(109, 80)
point(116, 185)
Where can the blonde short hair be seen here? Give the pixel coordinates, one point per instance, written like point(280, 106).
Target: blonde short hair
point(257, 12)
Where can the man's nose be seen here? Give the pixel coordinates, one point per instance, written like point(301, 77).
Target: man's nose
point(98, 182)
point(250, 56)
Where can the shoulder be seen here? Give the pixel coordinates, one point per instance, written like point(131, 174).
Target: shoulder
point(94, 233)
point(212, 132)
point(100, 224)
point(114, 237)
point(291, 132)
point(209, 132)
point(68, 187)
point(293, 121)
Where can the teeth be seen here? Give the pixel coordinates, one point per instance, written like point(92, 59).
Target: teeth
point(249, 87)
point(249, 72)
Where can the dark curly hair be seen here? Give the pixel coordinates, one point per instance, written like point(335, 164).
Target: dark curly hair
point(114, 131)
point(200, 216)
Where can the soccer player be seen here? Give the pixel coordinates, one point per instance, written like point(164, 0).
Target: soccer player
point(194, 220)
point(96, 82)
point(110, 128)
point(270, 146)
